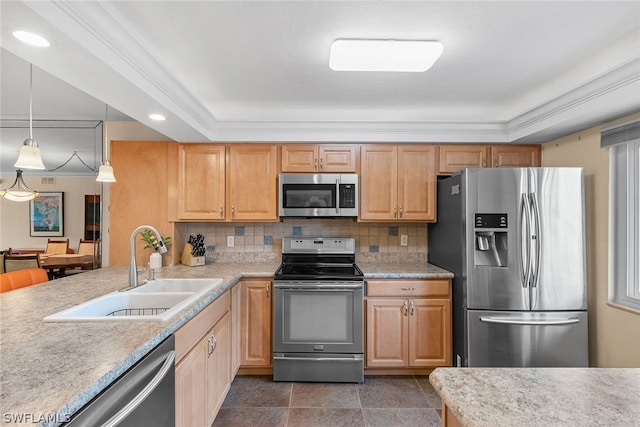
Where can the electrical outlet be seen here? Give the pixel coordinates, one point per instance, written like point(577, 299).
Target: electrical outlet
point(231, 241)
point(404, 240)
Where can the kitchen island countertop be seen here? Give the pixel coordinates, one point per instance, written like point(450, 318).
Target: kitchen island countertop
point(48, 371)
point(540, 396)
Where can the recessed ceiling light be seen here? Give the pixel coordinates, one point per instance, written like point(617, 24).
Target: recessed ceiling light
point(157, 117)
point(383, 55)
point(31, 38)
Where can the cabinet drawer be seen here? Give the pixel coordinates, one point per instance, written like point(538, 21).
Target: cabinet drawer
point(189, 334)
point(409, 288)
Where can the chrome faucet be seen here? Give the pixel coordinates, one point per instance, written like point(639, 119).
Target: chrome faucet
point(133, 267)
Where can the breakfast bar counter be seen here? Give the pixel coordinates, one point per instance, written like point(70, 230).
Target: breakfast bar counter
point(538, 396)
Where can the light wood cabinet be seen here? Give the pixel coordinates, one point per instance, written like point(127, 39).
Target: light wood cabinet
point(397, 183)
point(408, 323)
point(236, 328)
point(509, 156)
point(201, 182)
point(318, 158)
point(455, 157)
point(256, 323)
point(252, 192)
point(452, 158)
point(203, 364)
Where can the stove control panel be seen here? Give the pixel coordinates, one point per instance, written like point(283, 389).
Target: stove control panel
point(318, 245)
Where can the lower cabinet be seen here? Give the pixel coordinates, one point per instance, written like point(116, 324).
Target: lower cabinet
point(203, 364)
point(256, 323)
point(408, 323)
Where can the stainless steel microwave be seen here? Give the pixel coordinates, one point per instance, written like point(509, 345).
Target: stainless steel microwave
point(318, 195)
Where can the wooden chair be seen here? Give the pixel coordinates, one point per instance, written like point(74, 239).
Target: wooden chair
point(57, 247)
point(2, 254)
point(21, 262)
point(87, 247)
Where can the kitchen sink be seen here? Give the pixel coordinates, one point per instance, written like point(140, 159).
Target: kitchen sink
point(157, 300)
point(178, 285)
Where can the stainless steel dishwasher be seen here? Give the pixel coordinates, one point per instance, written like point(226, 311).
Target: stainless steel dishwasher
point(142, 396)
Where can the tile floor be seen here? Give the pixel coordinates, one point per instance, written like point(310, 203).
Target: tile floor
point(385, 401)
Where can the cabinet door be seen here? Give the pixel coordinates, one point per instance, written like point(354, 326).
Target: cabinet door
point(453, 158)
point(218, 366)
point(191, 387)
point(430, 332)
point(252, 183)
point(236, 328)
point(387, 332)
point(299, 158)
point(416, 183)
point(378, 182)
point(512, 156)
point(337, 158)
point(201, 181)
point(256, 323)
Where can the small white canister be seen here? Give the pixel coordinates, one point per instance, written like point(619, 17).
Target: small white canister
point(155, 261)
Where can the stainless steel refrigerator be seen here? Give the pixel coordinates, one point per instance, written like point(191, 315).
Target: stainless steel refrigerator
point(514, 238)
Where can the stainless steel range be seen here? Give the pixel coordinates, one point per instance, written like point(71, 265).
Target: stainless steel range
point(318, 312)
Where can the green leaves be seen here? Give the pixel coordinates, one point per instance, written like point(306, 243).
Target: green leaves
point(150, 239)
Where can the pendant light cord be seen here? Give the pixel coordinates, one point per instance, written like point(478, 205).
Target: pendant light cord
point(30, 101)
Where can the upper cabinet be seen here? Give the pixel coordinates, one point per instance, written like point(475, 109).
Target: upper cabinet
point(397, 182)
point(511, 156)
point(252, 192)
point(455, 157)
point(318, 158)
point(217, 182)
point(201, 182)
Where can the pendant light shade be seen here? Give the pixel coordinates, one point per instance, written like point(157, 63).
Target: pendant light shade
point(19, 191)
point(29, 156)
point(105, 173)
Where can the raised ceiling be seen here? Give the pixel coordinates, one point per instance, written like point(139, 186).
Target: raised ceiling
point(511, 71)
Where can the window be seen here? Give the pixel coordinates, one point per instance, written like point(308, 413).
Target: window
point(623, 142)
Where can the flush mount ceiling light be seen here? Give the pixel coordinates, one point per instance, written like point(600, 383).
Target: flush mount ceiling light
point(29, 156)
point(105, 173)
point(383, 55)
point(157, 117)
point(19, 191)
point(31, 38)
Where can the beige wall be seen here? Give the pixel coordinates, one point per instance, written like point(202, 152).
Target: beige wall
point(14, 216)
point(614, 334)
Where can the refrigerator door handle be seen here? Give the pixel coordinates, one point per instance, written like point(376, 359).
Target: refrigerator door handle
point(516, 321)
point(535, 241)
point(525, 244)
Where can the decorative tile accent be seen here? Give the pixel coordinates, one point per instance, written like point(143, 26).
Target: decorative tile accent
point(371, 238)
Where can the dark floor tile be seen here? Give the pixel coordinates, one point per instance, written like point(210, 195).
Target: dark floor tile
point(251, 417)
point(321, 395)
point(401, 417)
point(325, 417)
point(391, 392)
point(258, 391)
point(432, 395)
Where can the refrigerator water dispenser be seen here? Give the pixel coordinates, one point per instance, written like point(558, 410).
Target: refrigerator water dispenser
point(491, 245)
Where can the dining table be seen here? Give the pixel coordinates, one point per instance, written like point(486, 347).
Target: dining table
point(57, 265)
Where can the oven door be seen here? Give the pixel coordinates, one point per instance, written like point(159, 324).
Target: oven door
point(318, 317)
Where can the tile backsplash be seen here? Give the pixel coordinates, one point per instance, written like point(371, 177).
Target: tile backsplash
point(376, 242)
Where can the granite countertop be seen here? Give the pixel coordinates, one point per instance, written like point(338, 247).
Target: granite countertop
point(50, 370)
point(540, 396)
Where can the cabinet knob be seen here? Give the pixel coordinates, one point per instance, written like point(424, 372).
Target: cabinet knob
point(412, 307)
point(315, 163)
point(408, 289)
point(233, 210)
point(221, 211)
point(395, 211)
point(321, 164)
point(400, 211)
point(267, 288)
point(406, 308)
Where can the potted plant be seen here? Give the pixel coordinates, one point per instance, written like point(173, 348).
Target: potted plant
point(155, 260)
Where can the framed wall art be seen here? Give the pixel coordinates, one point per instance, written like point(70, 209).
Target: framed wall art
point(46, 215)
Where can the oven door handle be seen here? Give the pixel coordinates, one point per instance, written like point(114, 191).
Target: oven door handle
point(316, 287)
point(319, 359)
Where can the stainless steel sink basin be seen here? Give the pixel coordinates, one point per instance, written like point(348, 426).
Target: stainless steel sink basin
point(157, 300)
point(178, 285)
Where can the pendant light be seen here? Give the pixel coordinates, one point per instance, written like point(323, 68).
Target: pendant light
point(29, 156)
point(19, 191)
point(105, 173)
